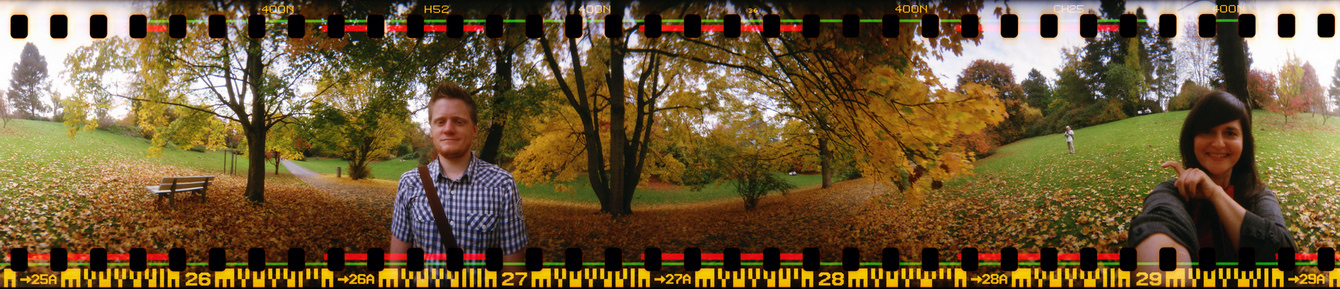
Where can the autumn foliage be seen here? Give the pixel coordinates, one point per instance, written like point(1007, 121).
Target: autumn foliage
point(1297, 90)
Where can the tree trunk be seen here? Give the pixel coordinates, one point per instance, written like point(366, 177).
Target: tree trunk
point(502, 84)
point(618, 137)
point(256, 165)
point(277, 160)
point(825, 162)
point(255, 70)
point(1232, 56)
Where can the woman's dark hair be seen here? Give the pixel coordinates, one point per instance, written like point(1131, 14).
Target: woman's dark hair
point(1214, 109)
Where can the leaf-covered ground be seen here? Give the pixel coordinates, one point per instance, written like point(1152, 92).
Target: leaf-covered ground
point(62, 192)
point(88, 192)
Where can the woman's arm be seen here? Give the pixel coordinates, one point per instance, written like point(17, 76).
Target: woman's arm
point(1262, 227)
point(1230, 213)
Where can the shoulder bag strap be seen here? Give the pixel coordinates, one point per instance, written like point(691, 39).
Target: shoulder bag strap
point(439, 216)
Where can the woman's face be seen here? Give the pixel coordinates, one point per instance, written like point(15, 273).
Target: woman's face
point(1218, 149)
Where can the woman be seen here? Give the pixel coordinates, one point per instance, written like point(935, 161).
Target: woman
point(1218, 201)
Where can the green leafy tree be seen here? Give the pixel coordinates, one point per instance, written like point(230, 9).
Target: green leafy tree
point(86, 68)
point(1126, 82)
point(1037, 89)
point(360, 120)
point(28, 83)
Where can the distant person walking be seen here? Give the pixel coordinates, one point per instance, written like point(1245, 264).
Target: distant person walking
point(1070, 138)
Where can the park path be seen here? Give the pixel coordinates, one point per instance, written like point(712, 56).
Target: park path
point(366, 196)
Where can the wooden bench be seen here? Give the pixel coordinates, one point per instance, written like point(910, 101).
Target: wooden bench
point(170, 185)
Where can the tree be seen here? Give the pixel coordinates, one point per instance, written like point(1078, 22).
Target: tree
point(362, 119)
point(28, 83)
point(285, 141)
point(818, 81)
point(752, 157)
point(602, 104)
point(4, 110)
point(1295, 93)
point(1197, 57)
point(1128, 81)
point(1037, 89)
point(1104, 51)
point(1233, 57)
point(1311, 88)
point(85, 68)
point(1157, 58)
point(1001, 77)
point(1071, 88)
point(1188, 95)
point(1261, 88)
point(189, 87)
point(748, 171)
point(1334, 92)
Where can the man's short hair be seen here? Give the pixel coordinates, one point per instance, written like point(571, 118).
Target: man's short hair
point(449, 90)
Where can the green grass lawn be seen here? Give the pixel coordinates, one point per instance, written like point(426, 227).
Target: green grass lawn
point(581, 193)
point(48, 142)
point(1116, 164)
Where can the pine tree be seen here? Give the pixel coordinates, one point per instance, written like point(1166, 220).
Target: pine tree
point(28, 84)
point(1157, 60)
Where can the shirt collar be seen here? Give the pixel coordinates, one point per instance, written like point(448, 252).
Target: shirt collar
point(435, 169)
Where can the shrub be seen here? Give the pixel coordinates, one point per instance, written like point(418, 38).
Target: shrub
point(1189, 94)
point(752, 179)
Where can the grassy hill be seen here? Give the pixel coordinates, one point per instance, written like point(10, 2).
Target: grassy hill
point(1092, 194)
point(44, 142)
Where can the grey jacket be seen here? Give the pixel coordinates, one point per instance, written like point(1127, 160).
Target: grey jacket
point(1165, 212)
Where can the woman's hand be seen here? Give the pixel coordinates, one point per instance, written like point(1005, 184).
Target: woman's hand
point(1193, 183)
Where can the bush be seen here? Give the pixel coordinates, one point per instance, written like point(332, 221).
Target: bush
point(749, 173)
point(403, 149)
point(1109, 111)
point(1189, 94)
point(850, 174)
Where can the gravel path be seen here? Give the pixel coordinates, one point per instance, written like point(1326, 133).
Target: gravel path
point(366, 194)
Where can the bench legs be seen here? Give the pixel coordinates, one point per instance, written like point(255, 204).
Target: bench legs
point(171, 201)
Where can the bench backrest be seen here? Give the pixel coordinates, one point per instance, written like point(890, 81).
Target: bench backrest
point(185, 183)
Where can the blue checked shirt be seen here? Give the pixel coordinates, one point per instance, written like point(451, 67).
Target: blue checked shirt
point(483, 207)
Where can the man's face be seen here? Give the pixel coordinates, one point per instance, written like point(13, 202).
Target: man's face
point(450, 127)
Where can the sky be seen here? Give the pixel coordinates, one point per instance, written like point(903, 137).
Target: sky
point(1026, 52)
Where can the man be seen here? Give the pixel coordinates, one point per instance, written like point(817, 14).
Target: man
point(1070, 138)
point(479, 199)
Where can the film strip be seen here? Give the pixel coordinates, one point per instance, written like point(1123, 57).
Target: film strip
point(730, 25)
point(769, 269)
point(1052, 262)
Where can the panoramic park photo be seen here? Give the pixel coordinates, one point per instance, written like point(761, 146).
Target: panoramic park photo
point(617, 138)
